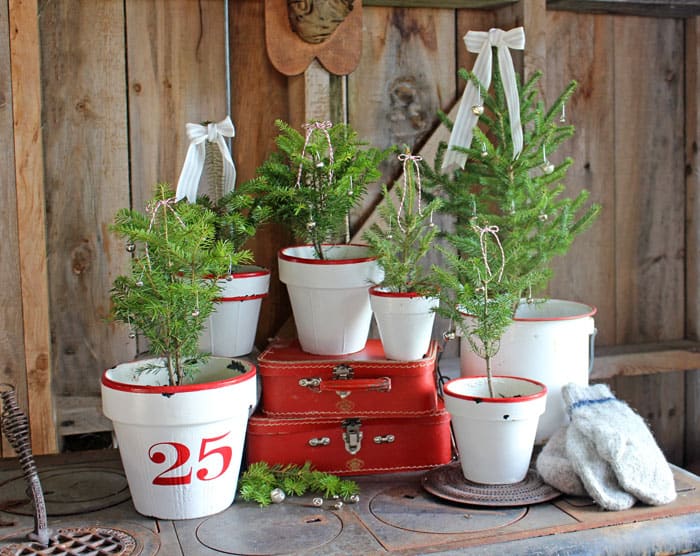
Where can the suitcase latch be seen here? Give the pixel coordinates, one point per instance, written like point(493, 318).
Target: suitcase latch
point(352, 435)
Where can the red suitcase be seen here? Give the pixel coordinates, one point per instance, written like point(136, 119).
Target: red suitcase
point(363, 384)
point(352, 446)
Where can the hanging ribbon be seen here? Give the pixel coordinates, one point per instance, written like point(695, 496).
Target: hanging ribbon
point(482, 43)
point(196, 153)
point(493, 230)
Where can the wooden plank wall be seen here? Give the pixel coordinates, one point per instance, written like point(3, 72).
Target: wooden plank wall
point(119, 87)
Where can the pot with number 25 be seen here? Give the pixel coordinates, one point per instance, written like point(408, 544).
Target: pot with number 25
point(181, 446)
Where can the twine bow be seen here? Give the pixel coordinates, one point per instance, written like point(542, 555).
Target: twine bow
point(482, 43)
point(196, 153)
point(405, 158)
point(493, 230)
point(310, 128)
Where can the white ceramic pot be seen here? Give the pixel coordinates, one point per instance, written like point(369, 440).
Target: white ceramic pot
point(330, 297)
point(495, 435)
point(405, 322)
point(231, 328)
point(181, 447)
point(550, 342)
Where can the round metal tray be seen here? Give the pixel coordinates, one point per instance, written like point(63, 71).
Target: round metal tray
point(448, 483)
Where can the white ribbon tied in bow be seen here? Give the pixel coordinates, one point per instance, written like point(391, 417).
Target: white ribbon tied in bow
point(482, 42)
point(188, 183)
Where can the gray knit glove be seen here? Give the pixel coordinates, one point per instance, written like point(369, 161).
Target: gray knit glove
point(555, 468)
point(612, 450)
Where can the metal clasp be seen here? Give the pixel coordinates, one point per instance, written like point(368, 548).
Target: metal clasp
point(313, 383)
point(352, 435)
point(322, 441)
point(386, 439)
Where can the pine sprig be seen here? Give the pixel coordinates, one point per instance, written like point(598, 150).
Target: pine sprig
point(260, 479)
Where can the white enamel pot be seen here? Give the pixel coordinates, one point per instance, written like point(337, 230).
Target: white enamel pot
point(405, 322)
point(330, 297)
point(181, 447)
point(551, 342)
point(230, 329)
point(495, 435)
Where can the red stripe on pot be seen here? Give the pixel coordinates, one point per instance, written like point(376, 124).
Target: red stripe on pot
point(146, 389)
point(378, 291)
point(293, 258)
point(591, 311)
point(243, 274)
point(242, 298)
point(529, 397)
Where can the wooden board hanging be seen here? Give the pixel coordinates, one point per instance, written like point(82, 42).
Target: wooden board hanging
point(339, 54)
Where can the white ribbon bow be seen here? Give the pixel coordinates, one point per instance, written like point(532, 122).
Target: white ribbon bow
point(196, 153)
point(482, 42)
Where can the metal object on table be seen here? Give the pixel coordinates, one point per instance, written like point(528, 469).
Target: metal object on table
point(15, 426)
point(65, 541)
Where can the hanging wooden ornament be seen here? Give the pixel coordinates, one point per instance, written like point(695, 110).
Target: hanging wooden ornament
point(298, 31)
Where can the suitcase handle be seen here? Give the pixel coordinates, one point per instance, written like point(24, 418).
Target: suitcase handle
point(345, 387)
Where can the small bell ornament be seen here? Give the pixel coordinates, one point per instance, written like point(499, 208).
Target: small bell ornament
point(277, 495)
point(478, 109)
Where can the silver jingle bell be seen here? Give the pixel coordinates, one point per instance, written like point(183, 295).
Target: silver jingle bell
point(139, 284)
point(478, 109)
point(132, 335)
point(548, 167)
point(354, 498)
point(130, 247)
point(195, 313)
point(310, 225)
point(338, 505)
point(318, 502)
point(543, 217)
point(229, 277)
point(277, 495)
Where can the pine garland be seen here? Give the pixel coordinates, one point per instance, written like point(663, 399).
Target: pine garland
point(260, 479)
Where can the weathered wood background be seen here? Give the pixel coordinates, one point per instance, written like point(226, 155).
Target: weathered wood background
point(94, 97)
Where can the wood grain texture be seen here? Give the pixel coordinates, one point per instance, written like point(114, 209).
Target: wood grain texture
point(587, 272)
point(665, 414)
point(31, 217)
point(692, 418)
point(407, 73)
point(12, 368)
point(86, 117)
point(259, 95)
point(649, 179)
point(651, 8)
point(646, 359)
point(692, 175)
point(176, 74)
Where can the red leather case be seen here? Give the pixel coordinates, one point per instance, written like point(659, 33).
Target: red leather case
point(362, 384)
point(352, 446)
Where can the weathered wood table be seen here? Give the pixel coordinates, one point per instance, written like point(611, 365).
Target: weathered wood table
point(88, 490)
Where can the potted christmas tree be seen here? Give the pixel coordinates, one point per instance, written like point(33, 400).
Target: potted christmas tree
point(311, 184)
point(230, 329)
point(404, 301)
point(494, 418)
point(179, 417)
point(509, 182)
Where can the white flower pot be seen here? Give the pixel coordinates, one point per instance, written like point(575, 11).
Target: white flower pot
point(550, 342)
point(405, 322)
point(231, 328)
point(495, 436)
point(330, 297)
point(181, 447)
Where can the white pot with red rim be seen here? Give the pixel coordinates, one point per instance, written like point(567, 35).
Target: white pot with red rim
point(230, 329)
point(181, 446)
point(330, 297)
point(495, 435)
point(405, 322)
point(550, 341)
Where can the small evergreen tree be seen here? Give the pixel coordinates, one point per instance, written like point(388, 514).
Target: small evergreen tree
point(167, 295)
point(312, 182)
point(405, 234)
point(517, 204)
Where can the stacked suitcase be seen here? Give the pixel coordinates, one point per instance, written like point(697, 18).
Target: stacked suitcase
point(353, 414)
